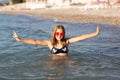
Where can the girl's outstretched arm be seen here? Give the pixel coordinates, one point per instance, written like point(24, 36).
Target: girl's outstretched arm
point(31, 41)
point(83, 37)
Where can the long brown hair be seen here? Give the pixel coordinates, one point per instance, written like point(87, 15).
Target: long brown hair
point(53, 38)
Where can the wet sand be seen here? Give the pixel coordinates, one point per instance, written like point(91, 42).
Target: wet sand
point(106, 15)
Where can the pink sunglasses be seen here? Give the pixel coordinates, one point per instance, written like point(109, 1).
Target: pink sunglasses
point(61, 34)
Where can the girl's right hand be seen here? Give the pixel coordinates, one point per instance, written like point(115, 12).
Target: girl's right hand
point(15, 36)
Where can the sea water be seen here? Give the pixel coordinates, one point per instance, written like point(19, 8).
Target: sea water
point(97, 58)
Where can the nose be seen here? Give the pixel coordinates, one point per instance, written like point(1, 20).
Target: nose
point(59, 35)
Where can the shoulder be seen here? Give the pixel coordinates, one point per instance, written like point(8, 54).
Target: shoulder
point(49, 43)
point(70, 40)
point(67, 41)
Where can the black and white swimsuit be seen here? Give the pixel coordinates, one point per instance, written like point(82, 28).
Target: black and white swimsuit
point(64, 49)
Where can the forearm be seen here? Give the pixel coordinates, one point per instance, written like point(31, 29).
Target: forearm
point(86, 36)
point(93, 34)
point(83, 37)
point(27, 41)
point(33, 41)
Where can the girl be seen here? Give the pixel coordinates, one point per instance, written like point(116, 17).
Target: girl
point(58, 44)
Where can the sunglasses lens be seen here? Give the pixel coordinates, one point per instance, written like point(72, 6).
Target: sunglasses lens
point(61, 34)
point(57, 34)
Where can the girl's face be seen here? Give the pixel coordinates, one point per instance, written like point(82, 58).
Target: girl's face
point(59, 34)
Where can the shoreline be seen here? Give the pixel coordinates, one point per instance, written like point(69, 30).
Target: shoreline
point(105, 16)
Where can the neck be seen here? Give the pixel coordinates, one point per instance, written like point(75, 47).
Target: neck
point(59, 41)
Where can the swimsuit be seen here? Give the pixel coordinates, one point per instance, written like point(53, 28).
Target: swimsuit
point(64, 49)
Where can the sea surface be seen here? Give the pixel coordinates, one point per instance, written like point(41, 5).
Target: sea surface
point(96, 58)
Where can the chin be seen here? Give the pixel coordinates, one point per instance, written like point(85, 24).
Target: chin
point(59, 39)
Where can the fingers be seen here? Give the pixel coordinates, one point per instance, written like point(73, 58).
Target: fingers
point(15, 36)
point(98, 29)
point(14, 32)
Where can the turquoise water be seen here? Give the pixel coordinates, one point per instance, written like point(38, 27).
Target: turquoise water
point(93, 59)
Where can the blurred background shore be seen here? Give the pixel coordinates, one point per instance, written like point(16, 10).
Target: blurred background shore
point(102, 13)
point(110, 16)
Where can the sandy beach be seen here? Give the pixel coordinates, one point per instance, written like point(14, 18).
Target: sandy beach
point(104, 15)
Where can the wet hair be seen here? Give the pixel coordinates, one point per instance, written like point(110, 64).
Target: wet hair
point(53, 38)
